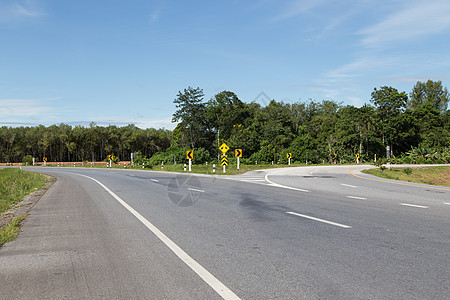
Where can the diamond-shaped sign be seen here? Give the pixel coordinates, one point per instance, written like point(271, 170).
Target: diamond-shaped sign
point(224, 148)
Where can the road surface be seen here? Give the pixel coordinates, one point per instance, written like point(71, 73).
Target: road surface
point(297, 233)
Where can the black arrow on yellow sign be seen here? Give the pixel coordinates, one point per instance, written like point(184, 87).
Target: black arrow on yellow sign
point(189, 154)
point(238, 153)
point(224, 160)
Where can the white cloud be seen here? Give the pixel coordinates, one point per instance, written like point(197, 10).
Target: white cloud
point(13, 11)
point(416, 20)
point(298, 7)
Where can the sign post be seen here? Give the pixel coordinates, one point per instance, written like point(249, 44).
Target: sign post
point(224, 160)
point(111, 157)
point(388, 156)
point(45, 161)
point(238, 154)
point(289, 156)
point(190, 156)
point(357, 158)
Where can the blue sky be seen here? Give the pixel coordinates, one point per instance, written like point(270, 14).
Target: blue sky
point(122, 62)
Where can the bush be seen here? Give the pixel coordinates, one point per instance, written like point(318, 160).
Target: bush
point(28, 160)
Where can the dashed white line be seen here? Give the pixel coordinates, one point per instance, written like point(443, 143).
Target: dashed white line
point(196, 190)
point(154, 180)
point(448, 203)
point(283, 186)
point(413, 205)
point(212, 281)
point(348, 185)
point(359, 198)
point(319, 220)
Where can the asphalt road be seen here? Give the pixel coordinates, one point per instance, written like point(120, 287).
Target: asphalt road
point(309, 233)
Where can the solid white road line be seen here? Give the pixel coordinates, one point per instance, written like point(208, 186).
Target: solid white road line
point(212, 281)
point(317, 219)
point(354, 197)
point(348, 185)
point(283, 186)
point(413, 205)
point(196, 190)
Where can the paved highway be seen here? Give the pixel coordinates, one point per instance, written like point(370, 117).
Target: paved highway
point(297, 233)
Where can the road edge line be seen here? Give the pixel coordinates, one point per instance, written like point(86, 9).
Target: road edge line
point(204, 274)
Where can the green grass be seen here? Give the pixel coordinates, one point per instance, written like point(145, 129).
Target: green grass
point(16, 184)
point(230, 169)
point(428, 175)
point(10, 231)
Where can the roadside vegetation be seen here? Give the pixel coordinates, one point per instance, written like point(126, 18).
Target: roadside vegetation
point(415, 127)
point(15, 184)
point(428, 175)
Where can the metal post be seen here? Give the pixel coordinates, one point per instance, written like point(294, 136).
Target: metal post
point(224, 168)
point(238, 163)
point(190, 165)
point(289, 161)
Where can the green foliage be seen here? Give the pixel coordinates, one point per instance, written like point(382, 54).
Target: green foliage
point(28, 159)
point(430, 92)
point(317, 131)
point(10, 231)
point(16, 184)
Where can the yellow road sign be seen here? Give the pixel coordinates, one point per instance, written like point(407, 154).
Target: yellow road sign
point(237, 152)
point(289, 155)
point(110, 157)
point(224, 160)
point(44, 159)
point(357, 155)
point(189, 154)
point(224, 148)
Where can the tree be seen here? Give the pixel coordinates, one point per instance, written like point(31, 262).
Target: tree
point(429, 92)
point(191, 112)
point(390, 103)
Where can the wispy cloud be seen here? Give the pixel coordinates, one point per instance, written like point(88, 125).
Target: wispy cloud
point(416, 20)
point(298, 7)
point(13, 11)
point(28, 111)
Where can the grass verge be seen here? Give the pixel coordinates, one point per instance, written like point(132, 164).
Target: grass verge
point(428, 175)
point(15, 184)
point(10, 231)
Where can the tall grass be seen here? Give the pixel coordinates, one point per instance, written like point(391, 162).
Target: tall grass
point(16, 184)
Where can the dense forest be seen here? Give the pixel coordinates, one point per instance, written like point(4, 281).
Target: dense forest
point(415, 126)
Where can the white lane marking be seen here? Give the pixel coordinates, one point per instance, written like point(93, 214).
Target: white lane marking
point(448, 203)
point(354, 197)
point(196, 190)
point(348, 185)
point(317, 219)
point(212, 281)
point(253, 180)
point(154, 180)
point(413, 205)
point(283, 186)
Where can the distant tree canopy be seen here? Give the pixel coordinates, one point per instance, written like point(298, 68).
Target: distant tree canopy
point(430, 92)
point(320, 131)
point(66, 143)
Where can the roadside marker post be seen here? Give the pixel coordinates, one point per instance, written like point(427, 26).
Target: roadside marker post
point(189, 156)
point(214, 168)
point(357, 158)
point(238, 154)
point(289, 156)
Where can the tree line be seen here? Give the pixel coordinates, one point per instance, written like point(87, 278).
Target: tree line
point(62, 143)
point(415, 126)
